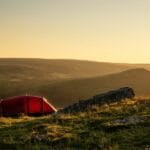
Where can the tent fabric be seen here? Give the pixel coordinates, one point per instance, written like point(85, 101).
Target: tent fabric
point(28, 105)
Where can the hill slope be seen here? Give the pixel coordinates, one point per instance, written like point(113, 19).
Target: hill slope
point(118, 126)
point(21, 76)
point(66, 81)
point(67, 92)
point(49, 69)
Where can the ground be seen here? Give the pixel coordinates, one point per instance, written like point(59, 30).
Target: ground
point(118, 126)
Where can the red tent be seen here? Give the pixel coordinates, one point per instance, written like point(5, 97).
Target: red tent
point(28, 105)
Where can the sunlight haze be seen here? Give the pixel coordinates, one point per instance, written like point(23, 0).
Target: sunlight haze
point(99, 30)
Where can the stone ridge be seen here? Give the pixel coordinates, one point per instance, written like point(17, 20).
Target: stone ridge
point(105, 98)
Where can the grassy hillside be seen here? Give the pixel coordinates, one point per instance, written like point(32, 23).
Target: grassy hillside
point(118, 126)
point(27, 76)
point(49, 69)
point(67, 81)
point(70, 91)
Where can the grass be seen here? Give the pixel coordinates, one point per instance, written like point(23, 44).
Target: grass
point(95, 129)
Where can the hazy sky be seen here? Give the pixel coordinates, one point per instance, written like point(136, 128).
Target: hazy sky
point(101, 30)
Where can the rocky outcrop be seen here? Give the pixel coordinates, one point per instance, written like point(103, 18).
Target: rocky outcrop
point(109, 97)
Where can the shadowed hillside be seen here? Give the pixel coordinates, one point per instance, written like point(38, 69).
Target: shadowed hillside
point(68, 92)
point(21, 76)
point(48, 69)
point(67, 81)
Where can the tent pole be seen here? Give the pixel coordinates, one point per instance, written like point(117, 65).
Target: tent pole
point(28, 105)
point(42, 105)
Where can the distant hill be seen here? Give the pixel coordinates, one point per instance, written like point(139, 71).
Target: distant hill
point(66, 81)
point(51, 69)
point(21, 76)
point(68, 92)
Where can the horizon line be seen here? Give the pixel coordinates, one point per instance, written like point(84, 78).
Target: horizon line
point(76, 59)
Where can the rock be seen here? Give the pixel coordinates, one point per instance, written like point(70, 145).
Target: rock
point(109, 97)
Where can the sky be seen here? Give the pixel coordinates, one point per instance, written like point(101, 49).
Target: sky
point(99, 30)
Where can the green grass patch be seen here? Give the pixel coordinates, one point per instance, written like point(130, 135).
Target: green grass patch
point(95, 129)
